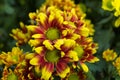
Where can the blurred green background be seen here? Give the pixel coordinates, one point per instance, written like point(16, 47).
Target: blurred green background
point(11, 13)
point(106, 35)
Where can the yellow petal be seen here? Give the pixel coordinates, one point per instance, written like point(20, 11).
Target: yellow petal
point(64, 73)
point(75, 36)
point(34, 42)
point(46, 73)
point(84, 31)
point(59, 17)
point(32, 15)
point(31, 28)
point(38, 49)
point(37, 36)
point(71, 24)
point(84, 67)
point(62, 54)
point(95, 59)
point(41, 17)
point(48, 45)
point(34, 61)
point(69, 43)
point(58, 44)
point(51, 17)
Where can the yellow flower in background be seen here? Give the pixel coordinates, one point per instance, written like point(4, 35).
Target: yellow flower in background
point(113, 5)
point(109, 55)
point(107, 5)
point(116, 63)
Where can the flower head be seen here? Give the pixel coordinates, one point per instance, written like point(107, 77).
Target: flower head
point(59, 39)
point(13, 57)
point(112, 5)
point(107, 5)
point(21, 35)
point(109, 55)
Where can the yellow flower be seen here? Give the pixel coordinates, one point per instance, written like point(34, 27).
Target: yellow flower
point(13, 57)
point(107, 5)
point(109, 55)
point(21, 35)
point(112, 5)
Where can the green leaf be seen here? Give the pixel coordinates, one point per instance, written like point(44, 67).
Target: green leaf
point(90, 76)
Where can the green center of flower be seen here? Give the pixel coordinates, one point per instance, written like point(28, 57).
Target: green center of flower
point(52, 56)
point(53, 34)
point(79, 51)
point(73, 77)
point(109, 4)
point(12, 76)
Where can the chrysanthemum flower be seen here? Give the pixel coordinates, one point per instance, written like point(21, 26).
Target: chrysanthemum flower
point(15, 65)
point(59, 39)
point(21, 35)
point(107, 5)
point(109, 55)
point(13, 57)
point(113, 5)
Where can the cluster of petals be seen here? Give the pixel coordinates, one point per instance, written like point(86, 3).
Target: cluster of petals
point(61, 43)
point(109, 55)
point(113, 5)
point(60, 39)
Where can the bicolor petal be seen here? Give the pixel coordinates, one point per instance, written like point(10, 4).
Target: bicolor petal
point(62, 69)
point(35, 60)
point(47, 71)
point(41, 17)
point(84, 67)
point(38, 36)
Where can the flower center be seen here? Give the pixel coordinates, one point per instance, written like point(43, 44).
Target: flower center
point(79, 51)
point(53, 34)
point(52, 56)
point(73, 76)
point(12, 76)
